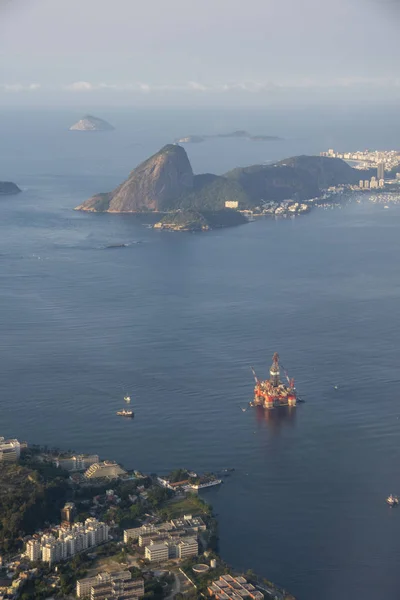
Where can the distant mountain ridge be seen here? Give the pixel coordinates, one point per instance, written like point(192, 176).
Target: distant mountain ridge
point(240, 134)
point(165, 182)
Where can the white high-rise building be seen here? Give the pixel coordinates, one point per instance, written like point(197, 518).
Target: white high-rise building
point(70, 541)
point(97, 532)
point(33, 550)
point(10, 450)
point(54, 550)
point(188, 547)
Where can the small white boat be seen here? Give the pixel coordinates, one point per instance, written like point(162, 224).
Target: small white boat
point(127, 398)
point(125, 413)
point(392, 500)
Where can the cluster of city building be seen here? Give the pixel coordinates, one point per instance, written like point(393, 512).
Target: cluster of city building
point(367, 159)
point(284, 207)
point(371, 184)
point(233, 588)
point(177, 538)
point(68, 539)
point(117, 585)
point(91, 465)
point(78, 462)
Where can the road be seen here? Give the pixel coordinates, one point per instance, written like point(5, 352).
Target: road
point(176, 587)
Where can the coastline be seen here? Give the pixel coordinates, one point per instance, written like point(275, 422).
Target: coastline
point(38, 463)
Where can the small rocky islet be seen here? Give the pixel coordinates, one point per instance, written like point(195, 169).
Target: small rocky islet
point(165, 183)
point(90, 123)
point(8, 188)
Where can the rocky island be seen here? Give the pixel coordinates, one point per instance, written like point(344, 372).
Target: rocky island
point(165, 183)
point(8, 188)
point(194, 220)
point(247, 136)
point(90, 123)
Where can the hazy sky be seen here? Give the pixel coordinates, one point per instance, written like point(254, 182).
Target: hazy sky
point(232, 52)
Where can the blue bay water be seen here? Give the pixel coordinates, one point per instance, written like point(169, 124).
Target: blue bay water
point(176, 319)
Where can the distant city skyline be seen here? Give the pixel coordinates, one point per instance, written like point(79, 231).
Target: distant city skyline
point(198, 53)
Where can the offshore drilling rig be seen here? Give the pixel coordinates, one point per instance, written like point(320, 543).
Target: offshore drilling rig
point(272, 393)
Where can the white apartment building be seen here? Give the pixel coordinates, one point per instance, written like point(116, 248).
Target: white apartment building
point(179, 548)
point(157, 552)
point(115, 584)
point(33, 550)
point(80, 462)
point(10, 450)
point(83, 586)
point(70, 541)
point(231, 204)
point(137, 532)
point(53, 550)
point(188, 547)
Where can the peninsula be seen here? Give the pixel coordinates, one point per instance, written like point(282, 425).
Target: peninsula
point(90, 123)
point(8, 188)
point(165, 183)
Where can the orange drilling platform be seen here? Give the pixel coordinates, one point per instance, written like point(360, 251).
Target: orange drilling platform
point(272, 393)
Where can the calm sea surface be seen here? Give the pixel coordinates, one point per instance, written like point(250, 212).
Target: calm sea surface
point(175, 320)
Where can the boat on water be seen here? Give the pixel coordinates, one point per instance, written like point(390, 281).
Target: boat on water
point(125, 413)
point(200, 486)
point(392, 500)
point(127, 398)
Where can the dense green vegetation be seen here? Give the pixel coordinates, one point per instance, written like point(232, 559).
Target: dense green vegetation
point(191, 220)
point(325, 171)
point(191, 504)
point(185, 220)
point(28, 499)
point(178, 475)
point(223, 218)
point(210, 193)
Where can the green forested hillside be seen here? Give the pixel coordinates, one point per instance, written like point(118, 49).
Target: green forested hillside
point(27, 500)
